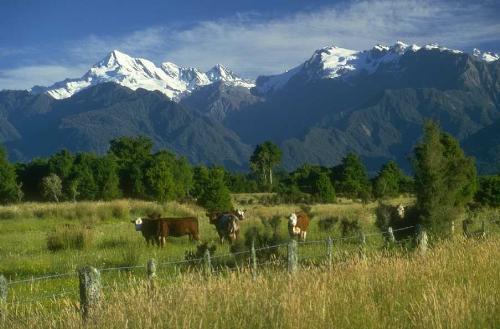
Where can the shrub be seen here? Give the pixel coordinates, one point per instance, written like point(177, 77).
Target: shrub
point(272, 223)
point(327, 224)
point(349, 227)
point(263, 238)
point(69, 237)
point(489, 191)
point(196, 256)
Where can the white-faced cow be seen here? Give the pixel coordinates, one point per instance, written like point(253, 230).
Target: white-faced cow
point(401, 211)
point(298, 222)
point(227, 224)
point(156, 230)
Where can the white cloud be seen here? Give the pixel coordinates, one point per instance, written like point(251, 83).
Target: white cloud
point(253, 44)
point(26, 77)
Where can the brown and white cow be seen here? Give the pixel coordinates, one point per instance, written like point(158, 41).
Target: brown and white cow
point(298, 222)
point(158, 229)
point(227, 224)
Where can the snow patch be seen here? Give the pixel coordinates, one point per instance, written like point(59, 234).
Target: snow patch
point(335, 62)
point(170, 79)
point(486, 56)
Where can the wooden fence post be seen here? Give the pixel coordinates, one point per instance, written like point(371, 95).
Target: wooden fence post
point(293, 256)
point(207, 262)
point(362, 245)
point(392, 239)
point(329, 251)
point(452, 228)
point(362, 239)
point(3, 289)
point(422, 240)
point(253, 256)
point(151, 270)
point(90, 291)
point(465, 227)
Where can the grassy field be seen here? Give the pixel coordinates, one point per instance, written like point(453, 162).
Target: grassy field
point(455, 286)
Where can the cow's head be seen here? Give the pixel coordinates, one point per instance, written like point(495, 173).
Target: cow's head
point(292, 224)
point(233, 228)
point(138, 223)
point(212, 217)
point(401, 211)
point(240, 213)
point(292, 220)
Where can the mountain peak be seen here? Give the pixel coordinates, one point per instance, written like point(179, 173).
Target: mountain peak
point(114, 57)
point(220, 72)
point(335, 62)
point(170, 79)
point(486, 56)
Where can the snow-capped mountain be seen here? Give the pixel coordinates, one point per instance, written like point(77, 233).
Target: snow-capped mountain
point(334, 62)
point(485, 56)
point(170, 79)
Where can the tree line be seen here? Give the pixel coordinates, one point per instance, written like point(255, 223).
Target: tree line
point(131, 169)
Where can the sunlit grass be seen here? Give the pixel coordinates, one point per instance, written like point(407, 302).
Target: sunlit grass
point(393, 288)
point(455, 286)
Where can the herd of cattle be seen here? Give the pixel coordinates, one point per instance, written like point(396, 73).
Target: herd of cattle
point(155, 229)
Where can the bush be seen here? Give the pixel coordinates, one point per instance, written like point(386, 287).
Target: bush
point(488, 193)
point(196, 256)
point(263, 238)
point(69, 237)
point(273, 223)
point(327, 224)
point(349, 228)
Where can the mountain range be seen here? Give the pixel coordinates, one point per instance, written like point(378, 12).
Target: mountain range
point(371, 102)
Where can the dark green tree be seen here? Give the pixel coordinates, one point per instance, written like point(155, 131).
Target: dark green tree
point(352, 178)
point(183, 177)
point(61, 164)
point(105, 172)
point(445, 179)
point(132, 154)
point(325, 191)
point(30, 176)
point(488, 193)
point(213, 193)
point(265, 157)
point(9, 189)
point(160, 177)
point(389, 182)
point(168, 177)
point(83, 178)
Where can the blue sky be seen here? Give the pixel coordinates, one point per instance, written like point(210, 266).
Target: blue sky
point(46, 41)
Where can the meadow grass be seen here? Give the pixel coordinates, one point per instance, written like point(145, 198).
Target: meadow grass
point(456, 285)
point(24, 253)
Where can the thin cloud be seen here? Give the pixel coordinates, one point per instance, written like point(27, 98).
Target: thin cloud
point(26, 77)
point(253, 44)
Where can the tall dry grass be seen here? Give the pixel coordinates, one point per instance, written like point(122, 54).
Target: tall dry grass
point(457, 285)
point(95, 210)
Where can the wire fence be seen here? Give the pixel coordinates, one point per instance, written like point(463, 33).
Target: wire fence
point(276, 255)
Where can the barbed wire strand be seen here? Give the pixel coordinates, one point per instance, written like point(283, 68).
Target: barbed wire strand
point(59, 275)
